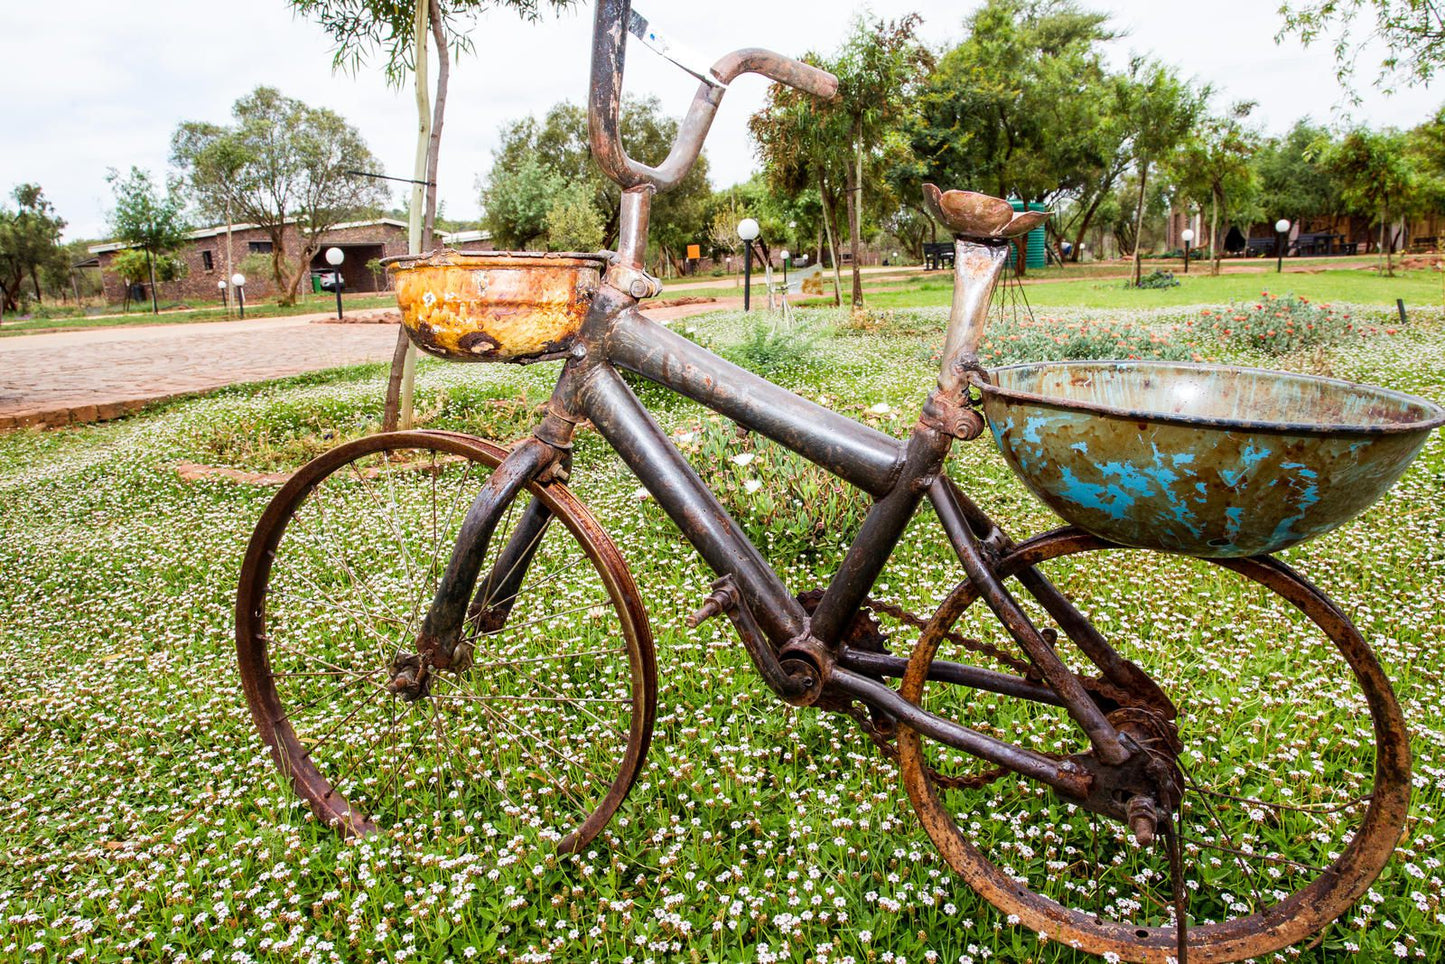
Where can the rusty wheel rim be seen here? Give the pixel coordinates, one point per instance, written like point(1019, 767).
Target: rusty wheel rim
point(1286, 902)
point(540, 740)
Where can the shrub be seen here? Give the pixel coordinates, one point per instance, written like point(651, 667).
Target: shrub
point(1009, 341)
point(766, 348)
point(1156, 279)
point(1277, 326)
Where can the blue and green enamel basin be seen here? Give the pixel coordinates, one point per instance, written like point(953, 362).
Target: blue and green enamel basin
point(1205, 460)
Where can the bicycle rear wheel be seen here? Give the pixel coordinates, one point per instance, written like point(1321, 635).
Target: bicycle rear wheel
point(540, 737)
point(1296, 759)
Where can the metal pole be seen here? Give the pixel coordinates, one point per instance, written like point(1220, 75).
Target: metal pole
point(748, 276)
point(1279, 250)
point(1186, 257)
point(338, 294)
point(241, 299)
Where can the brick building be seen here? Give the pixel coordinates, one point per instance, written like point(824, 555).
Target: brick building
point(205, 256)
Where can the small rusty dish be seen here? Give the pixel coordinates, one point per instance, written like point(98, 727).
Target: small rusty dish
point(1204, 460)
point(514, 306)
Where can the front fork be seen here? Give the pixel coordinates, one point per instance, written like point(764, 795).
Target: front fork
point(467, 606)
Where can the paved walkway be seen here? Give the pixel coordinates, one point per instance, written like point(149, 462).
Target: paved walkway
point(95, 374)
point(90, 375)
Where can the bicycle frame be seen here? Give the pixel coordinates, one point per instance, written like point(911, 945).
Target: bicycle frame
point(799, 654)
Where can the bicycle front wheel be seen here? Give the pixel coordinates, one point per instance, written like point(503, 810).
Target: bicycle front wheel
point(1295, 758)
point(537, 740)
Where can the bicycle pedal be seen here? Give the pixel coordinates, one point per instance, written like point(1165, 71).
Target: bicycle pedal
point(715, 604)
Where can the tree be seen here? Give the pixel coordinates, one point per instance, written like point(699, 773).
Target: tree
point(1161, 110)
point(1213, 164)
point(29, 243)
point(1412, 31)
point(1426, 146)
point(1376, 176)
point(1294, 181)
point(572, 222)
point(803, 143)
point(538, 161)
point(214, 162)
point(1024, 108)
point(516, 201)
point(146, 219)
point(879, 68)
point(291, 169)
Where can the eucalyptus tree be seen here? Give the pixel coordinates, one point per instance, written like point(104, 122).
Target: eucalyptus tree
point(398, 31)
point(879, 69)
point(29, 243)
point(537, 161)
point(1161, 110)
point(213, 161)
point(147, 218)
point(1411, 33)
point(284, 165)
point(803, 143)
point(1213, 165)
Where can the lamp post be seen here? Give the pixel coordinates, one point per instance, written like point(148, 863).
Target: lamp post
point(238, 281)
point(225, 296)
point(786, 256)
point(1281, 228)
point(1187, 236)
point(334, 257)
point(748, 232)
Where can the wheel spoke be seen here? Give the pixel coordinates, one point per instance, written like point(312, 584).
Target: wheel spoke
point(540, 723)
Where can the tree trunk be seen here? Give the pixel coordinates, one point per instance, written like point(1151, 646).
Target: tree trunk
point(403, 362)
point(1089, 213)
point(855, 215)
point(151, 268)
point(303, 269)
point(1214, 235)
point(831, 228)
point(1139, 221)
point(1384, 252)
point(444, 73)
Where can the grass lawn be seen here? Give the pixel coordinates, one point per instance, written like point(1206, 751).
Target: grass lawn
point(145, 820)
point(311, 304)
point(1418, 288)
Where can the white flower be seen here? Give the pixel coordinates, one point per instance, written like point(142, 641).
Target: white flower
point(640, 494)
point(752, 485)
point(686, 438)
point(742, 458)
point(881, 408)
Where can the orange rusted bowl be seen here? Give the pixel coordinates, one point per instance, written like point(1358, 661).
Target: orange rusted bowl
point(512, 306)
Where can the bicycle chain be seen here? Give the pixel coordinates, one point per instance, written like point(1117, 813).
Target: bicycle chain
point(973, 781)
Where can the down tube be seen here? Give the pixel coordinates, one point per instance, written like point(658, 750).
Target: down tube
point(657, 463)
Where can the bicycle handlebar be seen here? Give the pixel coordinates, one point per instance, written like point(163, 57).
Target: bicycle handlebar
point(609, 49)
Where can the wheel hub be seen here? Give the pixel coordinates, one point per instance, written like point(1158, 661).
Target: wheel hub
point(411, 677)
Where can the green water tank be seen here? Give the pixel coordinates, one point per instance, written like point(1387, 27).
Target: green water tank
point(1037, 240)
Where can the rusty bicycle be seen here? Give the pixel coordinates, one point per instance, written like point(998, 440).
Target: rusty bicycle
point(434, 632)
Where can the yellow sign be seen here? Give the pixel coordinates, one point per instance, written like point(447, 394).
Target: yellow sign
point(694, 251)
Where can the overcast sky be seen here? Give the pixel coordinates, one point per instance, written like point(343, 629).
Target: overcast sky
point(105, 84)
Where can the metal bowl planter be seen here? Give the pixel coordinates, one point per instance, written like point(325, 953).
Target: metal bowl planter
point(514, 306)
point(1204, 460)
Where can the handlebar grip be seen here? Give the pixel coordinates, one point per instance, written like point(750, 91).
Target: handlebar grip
point(785, 70)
